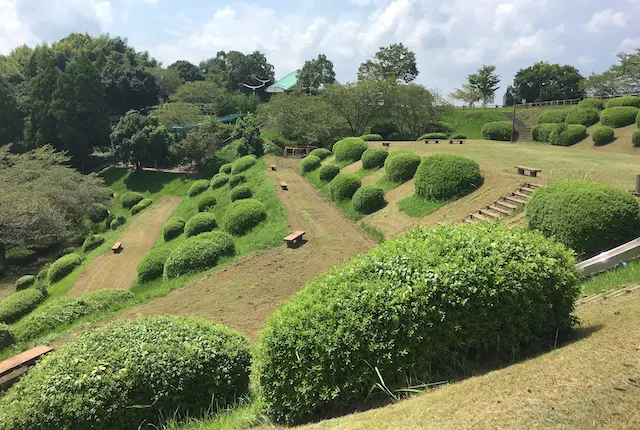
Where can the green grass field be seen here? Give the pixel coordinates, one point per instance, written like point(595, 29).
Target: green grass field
point(469, 121)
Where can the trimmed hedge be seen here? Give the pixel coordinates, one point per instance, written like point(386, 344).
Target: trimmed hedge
point(309, 164)
point(400, 166)
point(374, 158)
point(219, 180)
point(201, 222)
point(552, 116)
point(243, 215)
point(328, 172)
point(63, 266)
point(241, 192)
point(596, 104)
point(143, 204)
point(567, 135)
point(369, 199)
point(443, 176)
point(344, 186)
point(236, 180)
point(133, 374)
point(433, 302)
point(586, 117)
point(198, 187)
point(602, 135)
point(207, 202)
point(372, 137)
point(130, 199)
point(151, 266)
point(243, 163)
point(41, 277)
point(586, 216)
point(617, 117)
point(173, 228)
point(433, 136)
point(7, 338)
point(458, 136)
point(498, 130)
point(541, 132)
point(624, 101)
point(321, 153)
point(20, 304)
point(92, 242)
point(226, 168)
point(635, 138)
point(349, 149)
point(198, 254)
point(98, 212)
point(117, 222)
point(25, 282)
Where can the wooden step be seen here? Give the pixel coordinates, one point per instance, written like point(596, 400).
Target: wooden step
point(481, 217)
point(490, 213)
point(499, 210)
point(506, 204)
point(513, 199)
point(525, 197)
point(534, 186)
point(467, 220)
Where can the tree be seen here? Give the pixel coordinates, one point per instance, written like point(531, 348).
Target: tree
point(247, 130)
point(628, 70)
point(81, 113)
point(231, 70)
point(316, 74)
point(622, 78)
point(139, 140)
point(128, 84)
point(485, 82)
point(178, 113)
point(394, 62)
point(11, 122)
point(200, 147)
point(188, 72)
point(168, 81)
point(467, 94)
point(606, 84)
point(544, 82)
point(414, 108)
point(198, 92)
point(509, 98)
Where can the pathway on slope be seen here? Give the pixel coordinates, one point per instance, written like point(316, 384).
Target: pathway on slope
point(245, 293)
point(118, 271)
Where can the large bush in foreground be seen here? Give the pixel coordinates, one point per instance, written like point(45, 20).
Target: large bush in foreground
point(131, 374)
point(552, 116)
point(309, 164)
point(624, 101)
point(586, 216)
point(369, 199)
point(400, 166)
point(243, 215)
point(567, 134)
point(241, 192)
point(596, 104)
point(426, 306)
point(498, 130)
point(207, 202)
point(198, 187)
point(25, 282)
point(98, 212)
point(344, 186)
point(374, 158)
point(172, 229)
point(349, 149)
point(617, 117)
point(586, 117)
point(328, 172)
point(130, 199)
point(243, 163)
point(442, 176)
point(63, 266)
point(20, 304)
point(200, 223)
point(151, 266)
point(199, 253)
point(602, 135)
point(321, 153)
point(541, 132)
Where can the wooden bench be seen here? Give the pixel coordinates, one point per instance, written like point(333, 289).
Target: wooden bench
point(432, 140)
point(293, 238)
point(273, 167)
point(284, 186)
point(386, 144)
point(460, 141)
point(27, 358)
point(117, 247)
point(533, 171)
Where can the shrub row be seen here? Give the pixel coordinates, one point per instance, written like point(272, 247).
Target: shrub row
point(372, 137)
point(243, 163)
point(226, 168)
point(624, 101)
point(92, 242)
point(328, 172)
point(349, 149)
point(400, 166)
point(25, 282)
point(459, 136)
point(198, 253)
point(433, 136)
point(198, 187)
point(20, 304)
point(309, 164)
point(344, 186)
point(207, 202)
point(635, 138)
point(374, 158)
point(596, 104)
point(443, 176)
point(219, 180)
point(567, 135)
point(602, 135)
point(241, 192)
point(173, 228)
point(243, 215)
point(553, 117)
point(151, 266)
point(499, 130)
point(7, 338)
point(201, 222)
point(63, 266)
point(541, 132)
point(130, 199)
point(586, 117)
point(98, 212)
point(145, 203)
point(617, 117)
point(321, 153)
point(369, 199)
point(117, 222)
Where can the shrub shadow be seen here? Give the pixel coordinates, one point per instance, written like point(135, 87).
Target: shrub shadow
point(151, 181)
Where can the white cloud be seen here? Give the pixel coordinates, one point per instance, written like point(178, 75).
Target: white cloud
point(585, 60)
point(606, 19)
point(628, 45)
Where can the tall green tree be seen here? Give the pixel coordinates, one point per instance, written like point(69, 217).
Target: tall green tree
point(544, 81)
point(11, 121)
point(621, 78)
point(80, 110)
point(232, 70)
point(414, 108)
point(128, 84)
point(485, 81)
point(188, 72)
point(467, 94)
point(316, 74)
point(199, 149)
point(140, 140)
point(247, 130)
point(168, 81)
point(394, 62)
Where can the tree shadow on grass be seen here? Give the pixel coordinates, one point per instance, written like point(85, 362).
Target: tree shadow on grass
point(151, 181)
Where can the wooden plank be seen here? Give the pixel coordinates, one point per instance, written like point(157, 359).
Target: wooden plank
point(490, 213)
point(284, 185)
point(23, 359)
point(499, 210)
point(482, 217)
point(513, 199)
point(522, 196)
point(527, 190)
point(507, 204)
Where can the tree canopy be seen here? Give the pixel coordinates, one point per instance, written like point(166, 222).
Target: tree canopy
point(544, 81)
point(621, 78)
point(188, 72)
point(231, 70)
point(316, 74)
point(140, 140)
point(11, 122)
point(394, 62)
point(485, 82)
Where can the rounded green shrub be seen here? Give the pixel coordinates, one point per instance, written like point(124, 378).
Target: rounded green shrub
point(219, 180)
point(596, 104)
point(151, 266)
point(243, 215)
point(586, 117)
point(130, 199)
point(173, 228)
point(207, 202)
point(498, 130)
point(443, 176)
point(541, 132)
point(198, 187)
point(241, 192)
point(624, 101)
point(226, 168)
point(602, 135)
point(433, 302)
point(374, 158)
point(372, 137)
point(349, 149)
point(400, 166)
point(369, 199)
point(552, 116)
point(7, 338)
point(25, 282)
point(328, 172)
point(344, 186)
point(200, 223)
point(98, 212)
point(567, 135)
point(617, 117)
point(243, 163)
point(321, 153)
point(635, 138)
point(236, 180)
point(41, 277)
point(586, 216)
point(433, 136)
point(63, 266)
point(309, 164)
point(20, 304)
point(458, 136)
point(143, 204)
point(92, 242)
point(198, 254)
point(131, 374)
point(117, 222)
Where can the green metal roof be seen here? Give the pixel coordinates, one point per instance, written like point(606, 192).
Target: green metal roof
point(285, 83)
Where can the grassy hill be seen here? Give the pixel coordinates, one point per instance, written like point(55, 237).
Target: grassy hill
point(470, 121)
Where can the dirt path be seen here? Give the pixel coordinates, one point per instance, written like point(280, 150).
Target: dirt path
point(245, 293)
point(119, 270)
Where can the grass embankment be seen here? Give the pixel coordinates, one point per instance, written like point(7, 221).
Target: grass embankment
point(418, 207)
point(469, 121)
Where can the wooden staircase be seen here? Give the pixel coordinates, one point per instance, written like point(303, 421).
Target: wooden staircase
point(523, 131)
point(505, 206)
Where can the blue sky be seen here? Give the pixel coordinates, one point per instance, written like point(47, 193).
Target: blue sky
point(451, 38)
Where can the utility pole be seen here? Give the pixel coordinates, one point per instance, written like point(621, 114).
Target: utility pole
point(513, 120)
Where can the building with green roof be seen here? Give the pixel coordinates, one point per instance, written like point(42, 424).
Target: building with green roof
point(285, 84)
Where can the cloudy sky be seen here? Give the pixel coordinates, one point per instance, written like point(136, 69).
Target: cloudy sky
point(451, 38)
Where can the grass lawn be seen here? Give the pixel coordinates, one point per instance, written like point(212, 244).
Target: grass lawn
point(469, 121)
point(418, 207)
point(620, 277)
point(387, 184)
